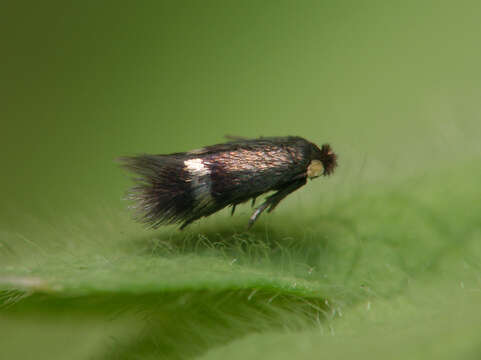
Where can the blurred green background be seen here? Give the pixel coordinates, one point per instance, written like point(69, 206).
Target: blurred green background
point(395, 88)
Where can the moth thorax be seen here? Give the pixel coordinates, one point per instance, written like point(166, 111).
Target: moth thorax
point(315, 169)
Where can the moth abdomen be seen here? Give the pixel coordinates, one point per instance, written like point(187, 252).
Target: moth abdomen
point(183, 187)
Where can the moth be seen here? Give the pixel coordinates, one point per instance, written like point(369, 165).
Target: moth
point(180, 188)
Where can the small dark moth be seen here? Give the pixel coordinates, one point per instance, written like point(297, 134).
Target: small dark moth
point(183, 187)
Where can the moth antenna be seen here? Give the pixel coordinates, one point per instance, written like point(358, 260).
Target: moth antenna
point(235, 137)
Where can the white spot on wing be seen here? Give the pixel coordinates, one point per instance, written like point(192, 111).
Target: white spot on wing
point(200, 181)
point(196, 167)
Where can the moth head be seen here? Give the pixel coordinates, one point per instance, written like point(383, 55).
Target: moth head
point(323, 161)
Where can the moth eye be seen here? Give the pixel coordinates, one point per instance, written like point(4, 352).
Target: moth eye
point(315, 169)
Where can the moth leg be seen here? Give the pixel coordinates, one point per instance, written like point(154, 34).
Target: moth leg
point(273, 200)
point(276, 198)
point(233, 209)
point(256, 214)
point(253, 201)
